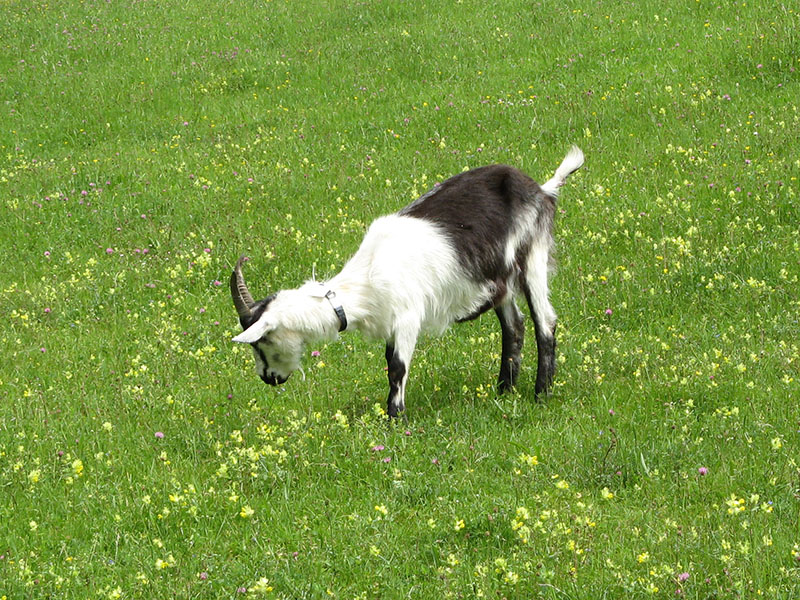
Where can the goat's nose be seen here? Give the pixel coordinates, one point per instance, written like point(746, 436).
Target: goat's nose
point(274, 379)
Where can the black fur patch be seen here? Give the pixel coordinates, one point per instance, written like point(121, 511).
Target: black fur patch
point(546, 369)
point(255, 312)
point(477, 210)
point(513, 328)
point(396, 371)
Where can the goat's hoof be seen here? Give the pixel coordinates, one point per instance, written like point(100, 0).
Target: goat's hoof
point(503, 386)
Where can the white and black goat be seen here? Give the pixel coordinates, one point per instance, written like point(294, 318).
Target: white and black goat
point(470, 244)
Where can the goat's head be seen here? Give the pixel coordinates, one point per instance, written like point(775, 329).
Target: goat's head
point(277, 349)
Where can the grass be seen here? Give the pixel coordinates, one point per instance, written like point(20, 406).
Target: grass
point(145, 146)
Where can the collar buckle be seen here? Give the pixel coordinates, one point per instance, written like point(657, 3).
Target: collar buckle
point(338, 309)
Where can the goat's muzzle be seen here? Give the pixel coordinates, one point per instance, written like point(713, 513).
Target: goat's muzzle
point(274, 379)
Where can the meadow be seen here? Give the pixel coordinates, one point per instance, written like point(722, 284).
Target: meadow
point(144, 146)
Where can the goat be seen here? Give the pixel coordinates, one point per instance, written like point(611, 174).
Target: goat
point(471, 244)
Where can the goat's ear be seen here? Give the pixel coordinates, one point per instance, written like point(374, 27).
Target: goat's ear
point(256, 331)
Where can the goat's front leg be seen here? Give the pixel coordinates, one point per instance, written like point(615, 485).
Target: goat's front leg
point(398, 359)
point(513, 328)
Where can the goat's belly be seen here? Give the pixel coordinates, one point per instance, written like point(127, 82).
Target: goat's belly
point(494, 293)
point(463, 303)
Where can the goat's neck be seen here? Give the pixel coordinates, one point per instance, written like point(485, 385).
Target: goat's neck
point(307, 311)
point(352, 291)
point(306, 308)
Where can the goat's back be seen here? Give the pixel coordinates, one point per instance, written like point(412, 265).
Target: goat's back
point(489, 214)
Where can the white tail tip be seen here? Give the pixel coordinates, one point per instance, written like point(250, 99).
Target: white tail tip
point(571, 163)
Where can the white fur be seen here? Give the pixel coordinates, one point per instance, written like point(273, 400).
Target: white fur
point(537, 274)
point(520, 231)
point(405, 274)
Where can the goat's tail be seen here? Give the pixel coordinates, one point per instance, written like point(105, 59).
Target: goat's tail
point(571, 163)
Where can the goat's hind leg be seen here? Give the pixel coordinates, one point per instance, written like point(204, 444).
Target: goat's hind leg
point(513, 329)
point(544, 319)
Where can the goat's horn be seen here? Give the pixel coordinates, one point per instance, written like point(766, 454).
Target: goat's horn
point(242, 299)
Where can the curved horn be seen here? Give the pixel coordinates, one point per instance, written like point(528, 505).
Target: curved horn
point(242, 299)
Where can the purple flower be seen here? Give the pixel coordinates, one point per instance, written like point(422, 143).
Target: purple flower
point(203, 575)
point(378, 448)
point(609, 311)
point(703, 470)
point(109, 251)
point(683, 577)
point(160, 435)
point(315, 353)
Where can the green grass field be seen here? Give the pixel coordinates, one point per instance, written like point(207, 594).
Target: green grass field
point(145, 145)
